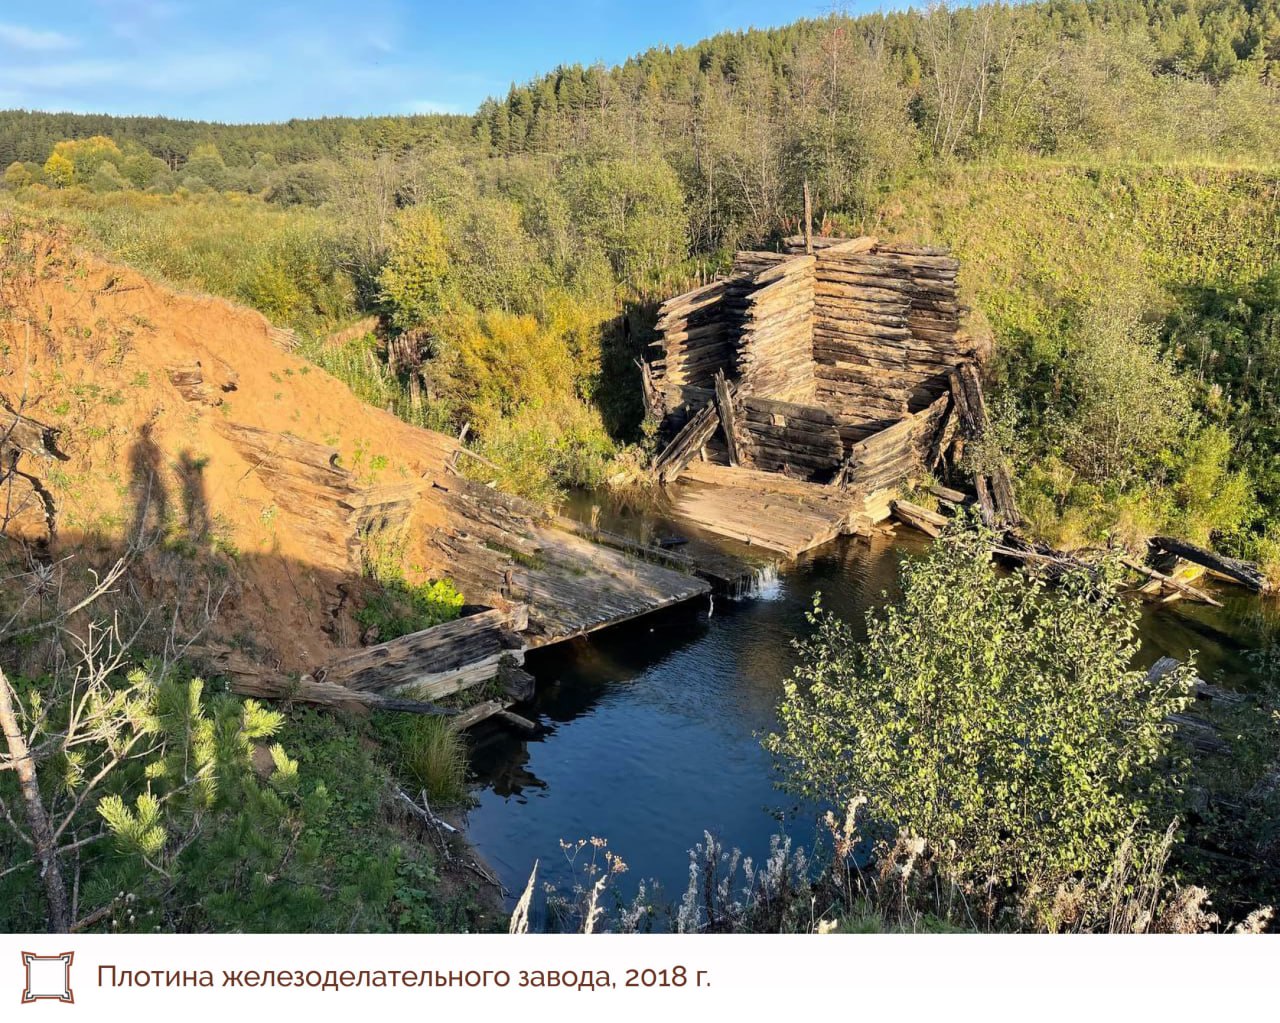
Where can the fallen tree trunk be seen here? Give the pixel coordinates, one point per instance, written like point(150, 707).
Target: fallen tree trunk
point(1243, 572)
point(1167, 580)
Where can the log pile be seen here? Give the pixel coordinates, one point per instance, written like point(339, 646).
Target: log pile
point(885, 331)
point(831, 362)
point(775, 347)
point(687, 443)
point(435, 662)
point(696, 337)
point(894, 454)
point(249, 677)
point(801, 440)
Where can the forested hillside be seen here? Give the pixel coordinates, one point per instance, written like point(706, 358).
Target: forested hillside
point(1108, 174)
point(1106, 170)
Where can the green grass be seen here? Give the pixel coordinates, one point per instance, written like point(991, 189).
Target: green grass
point(283, 261)
point(432, 757)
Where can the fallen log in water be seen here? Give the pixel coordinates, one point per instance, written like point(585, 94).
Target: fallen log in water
point(1243, 572)
point(1186, 589)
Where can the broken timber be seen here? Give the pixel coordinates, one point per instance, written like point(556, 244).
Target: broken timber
point(995, 491)
point(1243, 572)
point(686, 444)
point(437, 661)
point(506, 550)
point(838, 365)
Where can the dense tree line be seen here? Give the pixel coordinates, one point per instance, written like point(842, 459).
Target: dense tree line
point(506, 244)
point(849, 102)
point(28, 136)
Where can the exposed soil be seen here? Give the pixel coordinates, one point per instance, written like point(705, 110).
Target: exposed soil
point(90, 348)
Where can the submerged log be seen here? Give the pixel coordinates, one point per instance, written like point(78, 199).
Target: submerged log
point(1185, 588)
point(1243, 572)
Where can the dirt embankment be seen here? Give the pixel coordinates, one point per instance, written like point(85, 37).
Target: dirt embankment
point(186, 428)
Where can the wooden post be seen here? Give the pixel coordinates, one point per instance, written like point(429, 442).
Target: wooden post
point(808, 219)
point(728, 422)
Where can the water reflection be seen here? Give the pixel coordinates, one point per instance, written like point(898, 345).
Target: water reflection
point(653, 728)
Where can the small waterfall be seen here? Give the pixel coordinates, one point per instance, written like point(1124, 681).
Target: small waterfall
point(764, 583)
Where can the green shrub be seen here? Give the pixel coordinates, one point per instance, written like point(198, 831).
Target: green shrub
point(398, 607)
point(997, 719)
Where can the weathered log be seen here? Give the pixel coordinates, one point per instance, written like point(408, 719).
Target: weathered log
point(1245, 573)
point(684, 447)
point(728, 419)
point(949, 495)
point(1167, 580)
point(436, 661)
point(249, 678)
point(995, 493)
point(928, 522)
point(516, 721)
point(475, 714)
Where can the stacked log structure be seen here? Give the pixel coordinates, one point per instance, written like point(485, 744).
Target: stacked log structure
point(775, 348)
point(800, 440)
point(696, 337)
point(886, 331)
point(896, 453)
point(829, 366)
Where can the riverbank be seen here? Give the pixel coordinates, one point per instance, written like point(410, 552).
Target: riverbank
point(652, 730)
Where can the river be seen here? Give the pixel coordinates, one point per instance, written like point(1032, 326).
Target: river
point(652, 728)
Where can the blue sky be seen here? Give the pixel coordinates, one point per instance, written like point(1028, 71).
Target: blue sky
point(241, 60)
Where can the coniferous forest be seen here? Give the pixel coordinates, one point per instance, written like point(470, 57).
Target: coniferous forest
point(1107, 174)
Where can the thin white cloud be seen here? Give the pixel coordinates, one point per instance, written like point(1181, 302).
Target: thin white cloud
point(34, 40)
point(431, 106)
point(174, 73)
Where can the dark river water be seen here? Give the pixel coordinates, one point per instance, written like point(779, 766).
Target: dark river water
point(652, 728)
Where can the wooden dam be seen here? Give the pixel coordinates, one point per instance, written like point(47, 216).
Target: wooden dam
point(802, 390)
point(796, 395)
